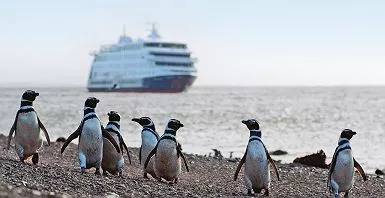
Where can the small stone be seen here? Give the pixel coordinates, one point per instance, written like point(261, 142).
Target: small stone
point(112, 195)
point(36, 192)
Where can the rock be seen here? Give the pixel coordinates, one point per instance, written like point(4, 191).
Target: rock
point(278, 152)
point(217, 154)
point(61, 139)
point(315, 159)
point(379, 172)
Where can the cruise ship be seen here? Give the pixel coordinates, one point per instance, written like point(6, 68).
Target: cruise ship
point(142, 65)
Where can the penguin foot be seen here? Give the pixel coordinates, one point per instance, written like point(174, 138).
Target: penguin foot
point(249, 192)
point(266, 193)
point(121, 174)
point(82, 170)
point(105, 173)
point(346, 194)
point(22, 159)
point(145, 175)
point(257, 190)
point(35, 158)
point(97, 172)
point(337, 195)
point(176, 180)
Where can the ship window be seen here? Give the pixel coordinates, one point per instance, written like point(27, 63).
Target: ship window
point(168, 54)
point(173, 64)
point(166, 45)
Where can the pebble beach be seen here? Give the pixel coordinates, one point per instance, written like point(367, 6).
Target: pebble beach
point(57, 175)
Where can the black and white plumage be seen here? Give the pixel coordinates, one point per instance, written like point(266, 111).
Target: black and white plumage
point(168, 154)
point(90, 133)
point(113, 161)
point(149, 140)
point(341, 172)
point(256, 160)
point(27, 127)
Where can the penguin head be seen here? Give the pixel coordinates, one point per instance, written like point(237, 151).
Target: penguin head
point(143, 121)
point(251, 124)
point(91, 102)
point(113, 116)
point(30, 95)
point(347, 133)
point(174, 124)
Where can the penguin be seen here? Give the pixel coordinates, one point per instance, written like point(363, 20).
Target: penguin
point(113, 161)
point(341, 171)
point(90, 133)
point(168, 154)
point(27, 127)
point(256, 160)
point(149, 140)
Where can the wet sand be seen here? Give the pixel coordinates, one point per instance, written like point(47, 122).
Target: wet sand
point(58, 175)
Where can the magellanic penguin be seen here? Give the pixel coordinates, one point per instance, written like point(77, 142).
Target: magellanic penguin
point(113, 161)
point(256, 160)
point(341, 172)
point(27, 127)
point(149, 140)
point(168, 154)
point(90, 133)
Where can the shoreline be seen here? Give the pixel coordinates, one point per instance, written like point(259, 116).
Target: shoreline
point(58, 175)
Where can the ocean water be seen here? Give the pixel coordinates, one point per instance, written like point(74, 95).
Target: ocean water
point(300, 120)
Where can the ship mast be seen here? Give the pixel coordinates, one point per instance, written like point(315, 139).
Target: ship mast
point(154, 32)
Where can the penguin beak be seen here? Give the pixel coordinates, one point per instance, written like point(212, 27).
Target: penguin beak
point(354, 133)
point(181, 125)
point(97, 100)
point(244, 121)
point(136, 120)
point(36, 94)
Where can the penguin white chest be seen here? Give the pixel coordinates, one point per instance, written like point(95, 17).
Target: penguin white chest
point(91, 141)
point(148, 144)
point(167, 163)
point(257, 173)
point(28, 132)
point(344, 170)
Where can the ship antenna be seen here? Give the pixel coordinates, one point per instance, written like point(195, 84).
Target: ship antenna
point(124, 30)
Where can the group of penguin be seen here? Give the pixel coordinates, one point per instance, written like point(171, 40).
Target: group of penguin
point(161, 157)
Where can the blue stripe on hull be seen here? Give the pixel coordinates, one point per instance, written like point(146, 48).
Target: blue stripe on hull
point(161, 84)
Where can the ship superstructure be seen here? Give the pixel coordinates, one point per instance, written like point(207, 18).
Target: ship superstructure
point(142, 65)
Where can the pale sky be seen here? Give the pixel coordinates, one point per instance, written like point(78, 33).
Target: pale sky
point(244, 43)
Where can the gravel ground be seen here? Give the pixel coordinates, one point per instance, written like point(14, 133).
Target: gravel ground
point(58, 176)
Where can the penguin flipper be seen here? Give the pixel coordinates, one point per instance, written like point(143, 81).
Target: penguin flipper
point(273, 164)
point(183, 158)
point(44, 130)
point(150, 155)
point(13, 129)
point(243, 160)
point(140, 155)
point(73, 136)
point(122, 143)
point(110, 138)
point(331, 169)
point(360, 170)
